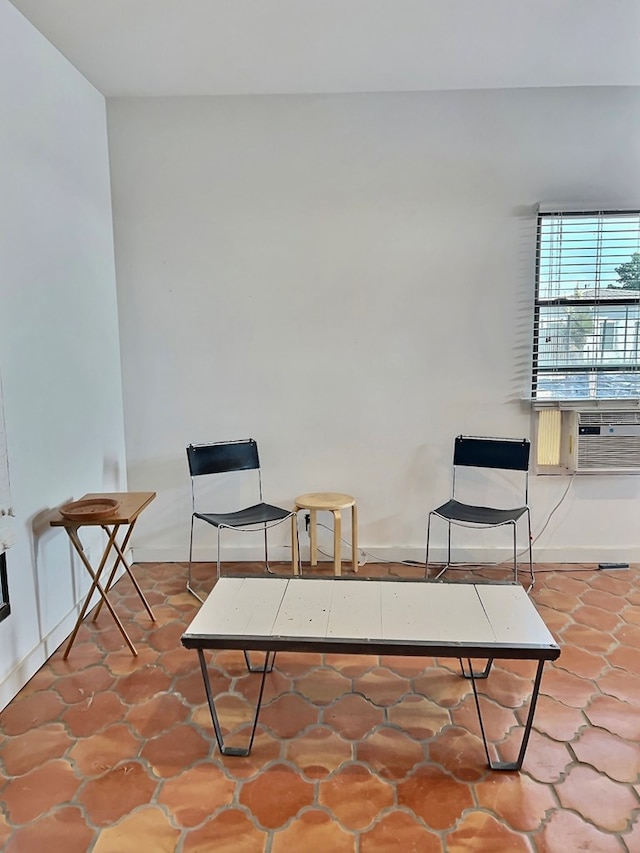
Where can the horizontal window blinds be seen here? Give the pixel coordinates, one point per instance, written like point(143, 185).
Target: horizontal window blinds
point(587, 308)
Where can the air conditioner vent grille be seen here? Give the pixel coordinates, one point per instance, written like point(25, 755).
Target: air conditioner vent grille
point(608, 453)
point(601, 418)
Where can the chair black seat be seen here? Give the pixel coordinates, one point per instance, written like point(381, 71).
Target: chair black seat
point(455, 511)
point(258, 514)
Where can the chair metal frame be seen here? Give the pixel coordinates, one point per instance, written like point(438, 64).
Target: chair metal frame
point(506, 454)
point(223, 457)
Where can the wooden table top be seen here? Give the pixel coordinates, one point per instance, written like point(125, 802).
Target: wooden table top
point(130, 505)
point(372, 617)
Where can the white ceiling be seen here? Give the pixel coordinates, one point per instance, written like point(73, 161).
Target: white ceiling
point(222, 47)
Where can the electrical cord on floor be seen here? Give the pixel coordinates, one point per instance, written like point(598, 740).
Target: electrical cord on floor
point(524, 550)
point(556, 507)
point(344, 542)
point(545, 525)
point(460, 566)
point(361, 551)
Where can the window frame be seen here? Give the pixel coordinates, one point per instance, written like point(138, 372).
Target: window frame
point(598, 364)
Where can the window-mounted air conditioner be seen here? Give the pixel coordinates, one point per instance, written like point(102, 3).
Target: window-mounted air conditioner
point(605, 442)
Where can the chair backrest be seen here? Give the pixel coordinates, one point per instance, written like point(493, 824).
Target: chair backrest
point(222, 457)
point(501, 454)
point(510, 454)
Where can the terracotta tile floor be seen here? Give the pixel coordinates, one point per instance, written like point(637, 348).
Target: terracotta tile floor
point(109, 753)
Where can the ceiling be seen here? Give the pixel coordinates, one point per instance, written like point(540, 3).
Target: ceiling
point(228, 47)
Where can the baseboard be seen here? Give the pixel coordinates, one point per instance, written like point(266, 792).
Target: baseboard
point(586, 555)
point(27, 667)
point(396, 554)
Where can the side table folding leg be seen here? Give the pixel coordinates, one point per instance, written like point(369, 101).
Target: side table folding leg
point(96, 585)
point(120, 560)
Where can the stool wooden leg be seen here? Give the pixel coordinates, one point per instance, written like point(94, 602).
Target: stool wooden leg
point(337, 539)
point(313, 538)
point(295, 557)
point(354, 537)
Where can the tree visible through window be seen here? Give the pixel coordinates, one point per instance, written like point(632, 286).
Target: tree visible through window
point(587, 307)
point(629, 273)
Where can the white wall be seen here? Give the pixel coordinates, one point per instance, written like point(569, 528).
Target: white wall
point(349, 280)
point(59, 347)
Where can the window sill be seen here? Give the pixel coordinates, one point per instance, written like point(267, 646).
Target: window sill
point(586, 405)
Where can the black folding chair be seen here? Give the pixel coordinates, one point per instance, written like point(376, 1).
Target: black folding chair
point(501, 454)
point(222, 458)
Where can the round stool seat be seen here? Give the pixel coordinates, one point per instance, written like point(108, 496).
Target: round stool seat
point(332, 502)
point(325, 501)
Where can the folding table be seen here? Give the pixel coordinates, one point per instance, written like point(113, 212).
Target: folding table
point(125, 514)
point(380, 617)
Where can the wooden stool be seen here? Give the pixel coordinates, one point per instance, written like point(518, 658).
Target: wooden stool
point(325, 502)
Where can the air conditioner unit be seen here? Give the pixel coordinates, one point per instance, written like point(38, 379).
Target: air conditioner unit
point(604, 442)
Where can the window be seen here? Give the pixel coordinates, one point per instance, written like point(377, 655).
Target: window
point(586, 342)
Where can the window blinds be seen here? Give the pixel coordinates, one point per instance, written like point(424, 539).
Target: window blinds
point(587, 308)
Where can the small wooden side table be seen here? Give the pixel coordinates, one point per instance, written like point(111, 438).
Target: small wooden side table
point(129, 507)
point(332, 502)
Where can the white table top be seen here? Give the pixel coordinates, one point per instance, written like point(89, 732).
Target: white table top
point(369, 617)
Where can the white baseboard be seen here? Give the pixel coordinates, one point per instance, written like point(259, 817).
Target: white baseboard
point(396, 554)
point(31, 663)
point(208, 555)
point(27, 667)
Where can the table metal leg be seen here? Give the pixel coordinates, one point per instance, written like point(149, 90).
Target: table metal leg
point(96, 585)
point(233, 750)
point(517, 764)
point(471, 674)
point(267, 663)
